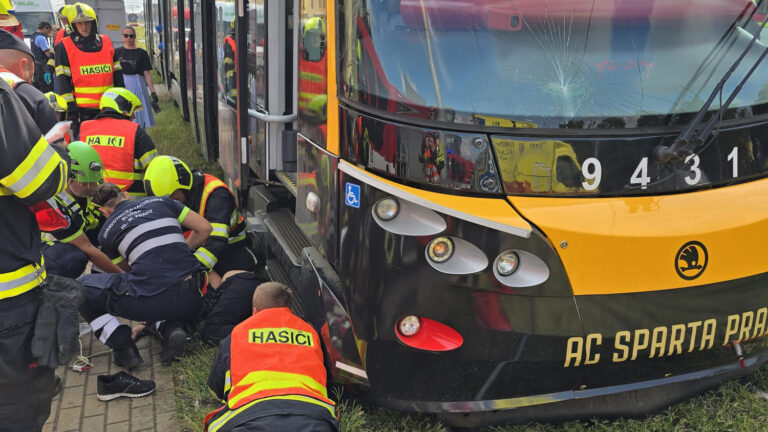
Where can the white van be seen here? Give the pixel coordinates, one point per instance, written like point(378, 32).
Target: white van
point(32, 12)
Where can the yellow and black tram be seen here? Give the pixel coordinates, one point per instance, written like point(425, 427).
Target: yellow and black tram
point(498, 210)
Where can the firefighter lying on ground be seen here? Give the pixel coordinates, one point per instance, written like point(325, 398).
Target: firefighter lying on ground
point(86, 65)
point(269, 372)
point(165, 281)
point(17, 68)
point(226, 248)
point(229, 305)
point(124, 146)
point(69, 250)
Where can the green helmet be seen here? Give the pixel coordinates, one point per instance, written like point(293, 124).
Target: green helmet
point(85, 166)
point(120, 100)
point(165, 174)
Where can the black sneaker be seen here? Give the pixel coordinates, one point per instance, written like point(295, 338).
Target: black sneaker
point(174, 338)
point(110, 387)
point(128, 358)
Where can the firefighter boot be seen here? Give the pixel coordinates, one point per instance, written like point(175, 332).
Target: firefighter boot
point(128, 357)
point(174, 338)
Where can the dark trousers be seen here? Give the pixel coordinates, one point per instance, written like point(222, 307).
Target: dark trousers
point(279, 416)
point(229, 305)
point(106, 294)
point(235, 257)
point(64, 259)
point(25, 391)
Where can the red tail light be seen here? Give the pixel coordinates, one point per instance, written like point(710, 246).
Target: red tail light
point(431, 336)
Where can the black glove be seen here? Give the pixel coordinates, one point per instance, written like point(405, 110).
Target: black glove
point(155, 105)
point(57, 326)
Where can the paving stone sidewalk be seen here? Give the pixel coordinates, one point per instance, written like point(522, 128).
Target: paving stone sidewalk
point(77, 408)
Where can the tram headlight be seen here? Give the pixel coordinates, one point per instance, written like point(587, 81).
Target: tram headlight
point(507, 263)
point(409, 325)
point(440, 249)
point(387, 208)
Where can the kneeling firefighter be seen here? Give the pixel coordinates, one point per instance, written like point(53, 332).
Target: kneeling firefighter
point(270, 372)
point(226, 248)
point(70, 249)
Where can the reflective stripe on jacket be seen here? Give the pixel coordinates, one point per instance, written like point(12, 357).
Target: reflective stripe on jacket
point(236, 221)
point(22, 280)
point(9, 77)
point(114, 140)
point(92, 72)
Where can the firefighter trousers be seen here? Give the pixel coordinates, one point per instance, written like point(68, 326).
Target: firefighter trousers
point(26, 391)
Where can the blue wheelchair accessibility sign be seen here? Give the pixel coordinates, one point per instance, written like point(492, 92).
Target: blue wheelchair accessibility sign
point(352, 195)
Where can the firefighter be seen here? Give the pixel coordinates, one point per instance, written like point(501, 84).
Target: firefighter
point(124, 146)
point(66, 28)
point(17, 69)
point(229, 67)
point(86, 65)
point(31, 171)
point(70, 248)
point(8, 20)
point(42, 52)
point(226, 248)
point(270, 371)
point(63, 32)
point(165, 281)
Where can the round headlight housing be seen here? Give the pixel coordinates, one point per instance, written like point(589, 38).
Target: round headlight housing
point(387, 208)
point(440, 249)
point(507, 263)
point(409, 325)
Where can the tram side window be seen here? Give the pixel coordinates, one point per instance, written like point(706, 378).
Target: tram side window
point(256, 54)
point(225, 40)
point(313, 70)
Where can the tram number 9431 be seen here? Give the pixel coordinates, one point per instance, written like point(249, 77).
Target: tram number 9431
point(592, 171)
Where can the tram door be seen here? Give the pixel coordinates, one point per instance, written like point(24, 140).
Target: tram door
point(191, 63)
point(270, 83)
point(205, 67)
point(177, 48)
point(226, 26)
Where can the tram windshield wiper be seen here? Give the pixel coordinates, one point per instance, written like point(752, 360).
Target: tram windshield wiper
point(694, 136)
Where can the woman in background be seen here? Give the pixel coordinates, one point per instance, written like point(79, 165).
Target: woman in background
point(136, 67)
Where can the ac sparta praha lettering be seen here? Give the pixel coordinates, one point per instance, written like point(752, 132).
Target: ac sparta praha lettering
point(664, 341)
point(95, 69)
point(280, 336)
point(105, 140)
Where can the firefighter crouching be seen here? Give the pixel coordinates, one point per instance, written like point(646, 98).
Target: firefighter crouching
point(165, 281)
point(17, 68)
point(70, 249)
point(86, 65)
point(270, 373)
point(125, 148)
point(31, 171)
point(226, 249)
